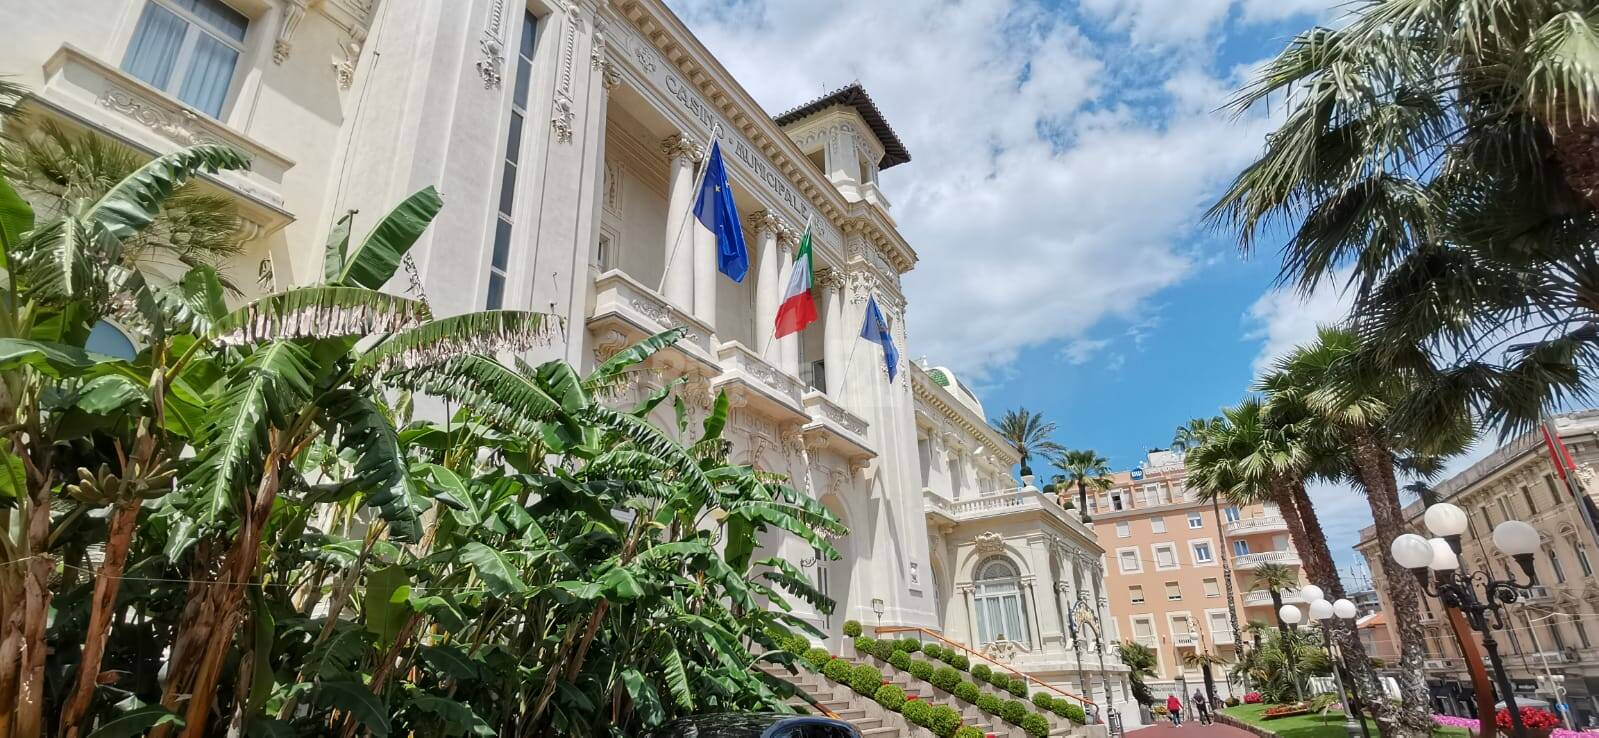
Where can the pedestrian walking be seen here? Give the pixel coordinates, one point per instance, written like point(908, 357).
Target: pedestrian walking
point(1174, 710)
point(1201, 707)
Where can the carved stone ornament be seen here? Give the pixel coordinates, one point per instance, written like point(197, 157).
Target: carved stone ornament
point(677, 145)
point(1002, 649)
point(491, 46)
point(990, 542)
point(764, 221)
point(293, 13)
point(563, 119)
point(344, 67)
point(600, 58)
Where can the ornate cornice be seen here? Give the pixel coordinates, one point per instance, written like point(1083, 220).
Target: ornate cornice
point(930, 395)
point(765, 221)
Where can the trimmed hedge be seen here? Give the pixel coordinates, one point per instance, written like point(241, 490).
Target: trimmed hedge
point(989, 703)
point(944, 721)
point(1036, 725)
point(1017, 687)
point(908, 644)
point(890, 697)
point(946, 678)
point(900, 660)
point(967, 691)
point(933, 651)
point(1073, 713)
point(863, 644)
point(967, 731)
point(817, 657)
point(921, 669)
point(957, 660)
point(981, 671)
point(1043, 700)
point(999, 679)
point(916, 712)
point(884, 649)
point(1014, 712)
point(797, 643)
point(852, 628)
point(865, 680)
point(837, 670)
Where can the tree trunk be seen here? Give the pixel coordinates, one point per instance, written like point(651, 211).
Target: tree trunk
point(1082, 500)
point(107, 582)
point(1374, 467)
point(1576, 148)
point(36, 614)
point(1321, 570)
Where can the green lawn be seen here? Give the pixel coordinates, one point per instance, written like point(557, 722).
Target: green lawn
point(1315, 726)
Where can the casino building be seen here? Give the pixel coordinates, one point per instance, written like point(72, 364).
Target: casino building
point(565, 137)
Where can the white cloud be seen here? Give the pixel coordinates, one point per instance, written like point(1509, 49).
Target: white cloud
point(1080, 351)
point(1041, 201)
point(1284, 318)
point(1161, 22)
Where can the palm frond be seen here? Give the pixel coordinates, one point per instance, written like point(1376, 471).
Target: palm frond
point(438, 340)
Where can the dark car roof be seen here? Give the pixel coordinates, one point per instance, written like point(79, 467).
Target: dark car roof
point(742, 725)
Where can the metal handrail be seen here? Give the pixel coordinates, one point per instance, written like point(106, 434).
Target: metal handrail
point(1083, 701)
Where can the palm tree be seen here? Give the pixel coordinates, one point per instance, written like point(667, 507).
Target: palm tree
point(1276, 579)
point(1192, 434)
point(1354, 404)
point(1442, 152)
point(1083, 468)
point(1029, 434)
point(1141, 661)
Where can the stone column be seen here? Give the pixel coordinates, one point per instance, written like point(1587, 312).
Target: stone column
point(768, 291)
point(788, 346)
point(1063, 601)
point(833, 340)
point(971, 625)
point(1049, 624)
point(678, 282)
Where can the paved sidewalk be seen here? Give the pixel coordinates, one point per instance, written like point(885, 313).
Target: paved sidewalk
point(1164, 729)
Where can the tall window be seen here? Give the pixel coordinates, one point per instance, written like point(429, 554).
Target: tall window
point(1195, 520)
point(1129, 560)
point(1526, 499)
point(189, 49)
point(1554, 491)
point(822, 584)
point(1202, 552)
point(1231, 513)
point(1174, 591)
point(1240, 547)
point(1165, 556)
point(1554, 563)
point(1124, 529)
point(998, 601)
point(1212, 588)
point(500, 259)
point(1135, 594)
point(1582, 555)
point(1157, 524)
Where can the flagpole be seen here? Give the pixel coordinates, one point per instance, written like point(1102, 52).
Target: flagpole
point(699, 181)
point(771, 335)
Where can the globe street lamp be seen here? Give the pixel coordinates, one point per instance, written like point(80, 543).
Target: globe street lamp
point(1323, 612)
point(1291, 616)
point(1457, 588)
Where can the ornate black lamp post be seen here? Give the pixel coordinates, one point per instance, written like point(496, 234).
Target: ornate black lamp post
point(1458, 588)
point(1324, 612)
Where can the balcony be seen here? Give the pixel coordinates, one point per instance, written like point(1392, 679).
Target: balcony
point(83, 91)
point(750, 381)
point(835, 428)
point(1262, 598)
point(1254, 560)
point(1438, 664)
point(1221, 638)
point(1183, 640)
point(1537, 593)
point(624, 311)
point(1262, 524)
point(1001, 504)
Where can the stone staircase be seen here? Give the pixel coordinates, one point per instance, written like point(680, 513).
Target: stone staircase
point(875, 722)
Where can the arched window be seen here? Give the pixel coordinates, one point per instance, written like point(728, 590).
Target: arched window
point(998, 601)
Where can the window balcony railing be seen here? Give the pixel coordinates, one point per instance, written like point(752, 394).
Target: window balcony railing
point(624, 311)
point(749, 380)
point(83, 90)
point(1260, 598)
point(1254, 560)
point(999, 504)
point(831, 426)
point(1262, 524)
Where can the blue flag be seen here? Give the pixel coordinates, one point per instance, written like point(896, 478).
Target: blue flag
point(715, 210)
point(875, 329)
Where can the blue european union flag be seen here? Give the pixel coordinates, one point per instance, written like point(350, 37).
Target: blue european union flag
point(715, 210)
point(875, 329)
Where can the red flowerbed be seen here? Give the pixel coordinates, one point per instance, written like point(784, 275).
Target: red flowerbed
point(1253, 698)
point(1531, 717)
point(1282, 711)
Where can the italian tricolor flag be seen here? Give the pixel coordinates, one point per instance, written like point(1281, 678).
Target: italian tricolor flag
point(799, 308)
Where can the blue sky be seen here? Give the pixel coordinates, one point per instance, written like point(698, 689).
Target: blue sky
point(1063, 153)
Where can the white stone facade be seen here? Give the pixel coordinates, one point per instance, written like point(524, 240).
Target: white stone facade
point(565, 137)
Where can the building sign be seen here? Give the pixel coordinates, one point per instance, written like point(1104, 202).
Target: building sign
point(643, 57)
point(1136, 474)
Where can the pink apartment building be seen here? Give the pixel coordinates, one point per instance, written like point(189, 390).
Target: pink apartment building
point(1169, 558)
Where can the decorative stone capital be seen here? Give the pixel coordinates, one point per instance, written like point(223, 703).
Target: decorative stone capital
point(990, 542)
point(679, 146)
point(764, 222)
